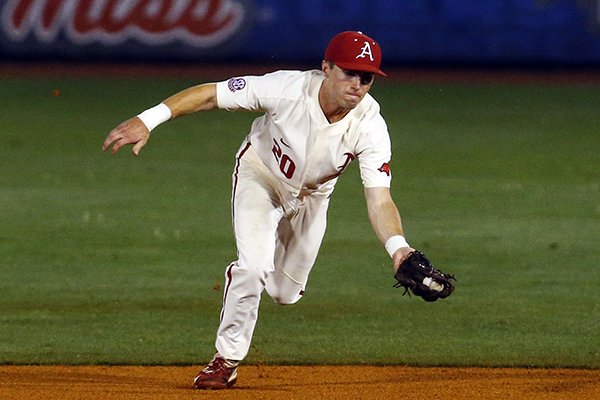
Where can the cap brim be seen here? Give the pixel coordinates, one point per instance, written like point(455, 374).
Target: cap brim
point(361, 67)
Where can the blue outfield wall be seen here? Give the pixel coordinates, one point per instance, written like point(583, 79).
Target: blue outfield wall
point(438, 32)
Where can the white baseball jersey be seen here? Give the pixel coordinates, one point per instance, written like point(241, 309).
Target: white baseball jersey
point(295, 140)
point(282, 179)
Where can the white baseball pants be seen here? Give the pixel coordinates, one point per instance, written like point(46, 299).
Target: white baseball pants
point(278, 237)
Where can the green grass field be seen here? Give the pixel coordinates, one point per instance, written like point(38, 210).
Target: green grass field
point(120, 260)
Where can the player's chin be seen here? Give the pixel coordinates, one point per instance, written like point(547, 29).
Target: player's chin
point(352, 100)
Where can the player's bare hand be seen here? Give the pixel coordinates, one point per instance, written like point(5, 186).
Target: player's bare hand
point(133, 131)
point(400, 255)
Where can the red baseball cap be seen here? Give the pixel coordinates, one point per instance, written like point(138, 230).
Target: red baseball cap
point(355, 51)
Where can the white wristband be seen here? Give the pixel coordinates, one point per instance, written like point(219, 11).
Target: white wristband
point(394, 243)
point(155, 116)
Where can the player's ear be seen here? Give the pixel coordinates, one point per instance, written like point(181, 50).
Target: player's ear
point(325, 67)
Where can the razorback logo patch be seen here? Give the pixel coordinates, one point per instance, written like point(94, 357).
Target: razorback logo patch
point(385, 168)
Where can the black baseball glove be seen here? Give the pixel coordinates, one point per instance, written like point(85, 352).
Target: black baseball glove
point(417, 274)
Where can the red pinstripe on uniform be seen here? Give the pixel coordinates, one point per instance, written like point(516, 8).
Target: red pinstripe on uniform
point(235, 175)
point(228, 279)
point(229, 274)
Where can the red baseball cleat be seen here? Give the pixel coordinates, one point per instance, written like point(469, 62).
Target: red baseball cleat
point(218, 374)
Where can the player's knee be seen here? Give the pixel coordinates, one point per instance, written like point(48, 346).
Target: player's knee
point(287, 298)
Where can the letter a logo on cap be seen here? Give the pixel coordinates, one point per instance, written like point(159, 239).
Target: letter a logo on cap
point(366, 51)
point(343, 48)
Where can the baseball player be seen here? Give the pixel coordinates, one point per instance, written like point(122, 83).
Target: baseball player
point(313, 124)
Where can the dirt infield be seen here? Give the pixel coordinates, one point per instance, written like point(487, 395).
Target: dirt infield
point(314, 383)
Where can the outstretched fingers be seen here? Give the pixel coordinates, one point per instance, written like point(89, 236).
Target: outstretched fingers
point(132, 131)
point(115, 139)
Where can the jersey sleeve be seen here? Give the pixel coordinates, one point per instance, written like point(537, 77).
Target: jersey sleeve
point(374, 154)
point(252, 93)
point(239, 93)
